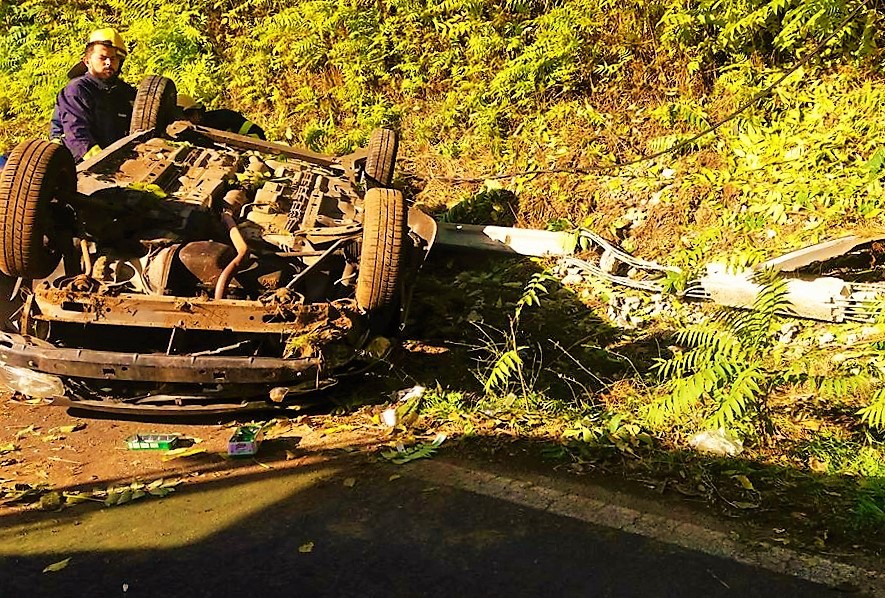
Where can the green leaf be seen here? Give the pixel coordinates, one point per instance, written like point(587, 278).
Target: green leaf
point(68, 429)
point(744, 481)
point(57, 566)
point(183, 452)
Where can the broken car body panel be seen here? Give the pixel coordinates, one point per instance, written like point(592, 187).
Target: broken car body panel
point(833, 281)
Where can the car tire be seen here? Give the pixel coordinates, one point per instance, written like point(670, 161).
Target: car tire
point(37, 175)
point(381, 157)
point(154, 106)
point(381, 258)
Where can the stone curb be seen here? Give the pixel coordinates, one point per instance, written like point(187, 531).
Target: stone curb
point(541, 495)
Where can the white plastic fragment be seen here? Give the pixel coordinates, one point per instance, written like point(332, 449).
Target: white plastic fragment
point(28, 382)
point(388, 416)
point(717, 442)
point(401, 396)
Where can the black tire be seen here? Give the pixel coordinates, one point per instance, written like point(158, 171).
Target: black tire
point(38, 175)
point(381, 157)
point(154, 106)
point(381, 258)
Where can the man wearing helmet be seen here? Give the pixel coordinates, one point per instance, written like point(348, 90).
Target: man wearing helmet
point(95, 107)
point(223, 119)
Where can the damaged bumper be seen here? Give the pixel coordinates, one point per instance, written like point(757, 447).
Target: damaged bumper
point(17, 351)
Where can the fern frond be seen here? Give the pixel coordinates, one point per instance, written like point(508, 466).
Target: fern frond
point(501, 372)
point(838, 387)
point(874, 414)
point(744, 390)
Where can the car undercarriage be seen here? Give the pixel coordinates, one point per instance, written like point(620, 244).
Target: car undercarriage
point(193, 270)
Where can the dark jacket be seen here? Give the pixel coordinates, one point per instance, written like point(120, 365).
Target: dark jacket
point(233, 122)
point(90, 111)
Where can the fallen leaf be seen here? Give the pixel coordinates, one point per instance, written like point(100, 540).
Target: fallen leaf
point(74, 498)
point(817, 465)
point(7, 448)
point(395, 476)
point(25, 432)
point(69, 429)
point(183, 452)
point(306, 547)
point(57, 566)
point(336, 429)
point(745, 482)
point(403, 455)
point(350, 482)
point(51, 501)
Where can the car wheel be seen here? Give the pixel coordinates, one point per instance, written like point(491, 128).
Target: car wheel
point(154, 106)
point(38, 175)
point(381, 157)
point(380, 273)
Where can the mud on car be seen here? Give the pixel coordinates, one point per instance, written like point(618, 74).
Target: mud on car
point(190, 269)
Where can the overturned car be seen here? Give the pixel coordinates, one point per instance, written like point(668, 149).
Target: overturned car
point(189, 269)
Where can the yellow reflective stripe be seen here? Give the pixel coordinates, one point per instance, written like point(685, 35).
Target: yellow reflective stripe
point(244, 130)
point(93, 151)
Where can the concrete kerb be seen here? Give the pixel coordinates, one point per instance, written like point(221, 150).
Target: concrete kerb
point(541, 494)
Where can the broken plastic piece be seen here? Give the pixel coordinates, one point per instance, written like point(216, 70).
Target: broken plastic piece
point(33, 384)
point(717, 442)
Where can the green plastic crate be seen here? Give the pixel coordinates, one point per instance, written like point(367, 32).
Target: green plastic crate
point(156, 442)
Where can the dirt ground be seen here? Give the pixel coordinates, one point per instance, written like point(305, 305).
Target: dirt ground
point(45, 451)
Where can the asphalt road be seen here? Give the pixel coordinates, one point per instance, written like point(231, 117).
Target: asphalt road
point(351, 528)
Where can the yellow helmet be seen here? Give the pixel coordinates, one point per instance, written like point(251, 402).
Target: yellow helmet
point(186, 102)
point(109, 36)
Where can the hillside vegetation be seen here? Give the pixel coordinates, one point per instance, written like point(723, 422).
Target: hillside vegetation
point(583, 89)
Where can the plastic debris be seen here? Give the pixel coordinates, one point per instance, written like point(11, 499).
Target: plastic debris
point(245, 441)
point(402, 396)
point(157, 442)
point(717, 442)
point(30, 383)
point(389, 417)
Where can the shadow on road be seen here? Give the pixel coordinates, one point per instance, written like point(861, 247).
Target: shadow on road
point(346, 526)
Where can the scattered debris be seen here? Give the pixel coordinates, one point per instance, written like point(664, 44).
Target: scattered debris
point(68, 429)
point(46, 499)
point(29, 431)
point(188, 451)
point(244, 441)
point(57, 566)
point(21, 493)
point(388, 416)
point(162, 442)
point(8, 448)
point(29, 383)
point(843, 296)
point(717, 442)
point(402, 455)
point(119, 495)
point(306, 548)
point(408, 402)
point(283, 428)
